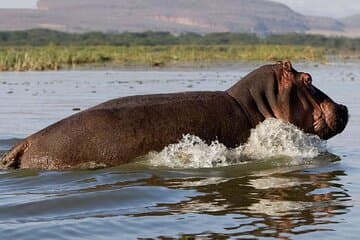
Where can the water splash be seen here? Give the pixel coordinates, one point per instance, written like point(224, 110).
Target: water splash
point(274, 137)
point(270, 139)
point(191, 152)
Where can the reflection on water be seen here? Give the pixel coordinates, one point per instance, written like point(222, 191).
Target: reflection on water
point(213, 203)
point(264, 199)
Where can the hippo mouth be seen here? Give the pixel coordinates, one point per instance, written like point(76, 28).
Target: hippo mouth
point(330, 119)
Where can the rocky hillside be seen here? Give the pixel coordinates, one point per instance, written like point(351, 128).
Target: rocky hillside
point(202, 16)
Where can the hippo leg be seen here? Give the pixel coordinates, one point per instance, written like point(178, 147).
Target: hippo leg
point(13, 159)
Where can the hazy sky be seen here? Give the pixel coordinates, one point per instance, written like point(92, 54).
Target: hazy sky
point(333, 8)
point(18, 3)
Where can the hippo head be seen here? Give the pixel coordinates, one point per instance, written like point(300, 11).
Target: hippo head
point(279, 91)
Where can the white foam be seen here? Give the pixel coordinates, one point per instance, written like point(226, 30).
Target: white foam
point(191, 152)
point(271, 138)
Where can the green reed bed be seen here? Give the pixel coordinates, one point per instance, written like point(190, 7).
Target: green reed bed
point(56, 57)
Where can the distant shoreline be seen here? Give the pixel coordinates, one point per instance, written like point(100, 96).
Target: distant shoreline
point(58, 57)
point(41, 50)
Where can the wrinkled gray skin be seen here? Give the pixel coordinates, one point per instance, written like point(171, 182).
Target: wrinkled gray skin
point(120, 130)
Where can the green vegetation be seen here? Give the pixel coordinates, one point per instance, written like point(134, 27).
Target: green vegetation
point(54, 58)
point(52, 50)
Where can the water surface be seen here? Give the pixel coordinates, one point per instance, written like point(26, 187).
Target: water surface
point(316, 200)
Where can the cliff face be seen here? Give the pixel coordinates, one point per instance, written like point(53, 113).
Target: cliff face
point(202, 16)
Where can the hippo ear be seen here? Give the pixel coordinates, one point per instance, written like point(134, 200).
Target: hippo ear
point(286, 76)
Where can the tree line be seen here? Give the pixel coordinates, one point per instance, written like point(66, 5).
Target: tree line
point(44, 37)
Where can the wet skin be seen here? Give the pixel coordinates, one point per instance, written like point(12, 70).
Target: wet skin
point(120, 130)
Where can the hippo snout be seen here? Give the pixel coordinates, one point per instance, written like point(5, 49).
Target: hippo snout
point(336, 118)
point(341, 119)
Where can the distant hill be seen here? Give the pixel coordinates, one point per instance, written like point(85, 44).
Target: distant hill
point(176, 16)
point(352, 22)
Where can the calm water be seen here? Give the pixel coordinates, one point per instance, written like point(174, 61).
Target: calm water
point(259, 200)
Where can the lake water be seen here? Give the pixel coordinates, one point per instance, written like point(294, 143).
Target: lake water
point(317, 199)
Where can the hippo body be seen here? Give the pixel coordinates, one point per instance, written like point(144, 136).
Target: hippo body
point(120, 130)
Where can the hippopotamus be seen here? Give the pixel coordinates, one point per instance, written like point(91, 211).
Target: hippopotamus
point(123, 129)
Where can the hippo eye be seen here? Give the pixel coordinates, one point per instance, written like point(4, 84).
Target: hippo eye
point(306, 79)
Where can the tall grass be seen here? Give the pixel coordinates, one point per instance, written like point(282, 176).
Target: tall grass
point(55, 57)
